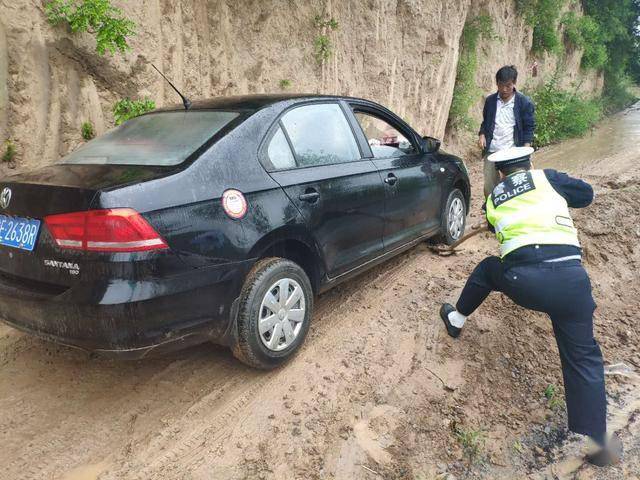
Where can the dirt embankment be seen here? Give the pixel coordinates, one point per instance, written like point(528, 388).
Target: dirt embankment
point(378, 391)
point(402, 54)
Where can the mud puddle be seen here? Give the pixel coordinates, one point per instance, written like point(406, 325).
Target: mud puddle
point(86, 472)
point(621, 413)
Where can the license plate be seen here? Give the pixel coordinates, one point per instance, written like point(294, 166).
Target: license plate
point(19, 232)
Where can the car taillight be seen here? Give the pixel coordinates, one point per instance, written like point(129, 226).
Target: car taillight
point(112, 230)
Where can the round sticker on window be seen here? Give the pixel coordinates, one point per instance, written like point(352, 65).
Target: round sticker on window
point(234, 204)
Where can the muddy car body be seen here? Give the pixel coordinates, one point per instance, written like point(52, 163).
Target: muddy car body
point(239, 273)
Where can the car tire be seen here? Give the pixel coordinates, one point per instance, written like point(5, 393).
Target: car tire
point(453, 217)
point(270, 276)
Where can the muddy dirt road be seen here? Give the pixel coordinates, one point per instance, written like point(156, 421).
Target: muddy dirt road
point(378, 391)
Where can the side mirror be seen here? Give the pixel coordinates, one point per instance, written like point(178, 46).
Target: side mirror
point(431, 145)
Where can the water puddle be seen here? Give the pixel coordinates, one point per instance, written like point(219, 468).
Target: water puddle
point(616, 135)
point(86, 472)
point(620, 415)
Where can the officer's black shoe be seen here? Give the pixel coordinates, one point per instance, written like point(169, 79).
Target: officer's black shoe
point(445, 310)
point(610, 454)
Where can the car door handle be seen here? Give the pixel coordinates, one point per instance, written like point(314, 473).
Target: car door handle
point(309, 196)
point(391, 179)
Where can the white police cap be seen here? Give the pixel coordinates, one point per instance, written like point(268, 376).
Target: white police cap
point(510, 156)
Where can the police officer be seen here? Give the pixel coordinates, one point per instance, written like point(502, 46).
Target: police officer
point(540, 269)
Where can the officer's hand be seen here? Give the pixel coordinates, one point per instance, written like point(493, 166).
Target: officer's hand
point(482, 141)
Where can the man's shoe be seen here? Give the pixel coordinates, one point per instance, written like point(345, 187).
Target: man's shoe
point(610, 454)
point(445, 310)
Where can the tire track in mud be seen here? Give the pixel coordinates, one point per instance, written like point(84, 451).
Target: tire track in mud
point(188, 451)
point(65, 438)
point(228, 391)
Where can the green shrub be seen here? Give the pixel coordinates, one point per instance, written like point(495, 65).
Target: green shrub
point(87, 131)
point(126, 109)
point(285, 83)
point(543, 16)
point(465, 91)
point(584, 33)
point(561, 114)
point(619, 24)
point(617, 92)
point(9, 152)
point(97, 17)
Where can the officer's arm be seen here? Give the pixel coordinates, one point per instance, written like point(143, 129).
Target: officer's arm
point(576, 192)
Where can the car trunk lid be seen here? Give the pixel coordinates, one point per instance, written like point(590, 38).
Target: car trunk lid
point(56, 190)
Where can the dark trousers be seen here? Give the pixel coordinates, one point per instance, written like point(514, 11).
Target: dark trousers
point(563, 291)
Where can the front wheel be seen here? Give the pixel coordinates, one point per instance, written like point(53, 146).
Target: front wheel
point(274, 313)
point(453, 217)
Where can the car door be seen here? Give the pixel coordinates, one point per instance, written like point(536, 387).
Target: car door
point(317, 160)
point(411, 177)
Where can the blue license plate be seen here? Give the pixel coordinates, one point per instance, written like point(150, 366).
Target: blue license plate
point(19, 232)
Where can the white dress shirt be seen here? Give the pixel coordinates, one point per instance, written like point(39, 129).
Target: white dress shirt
point(503, 132)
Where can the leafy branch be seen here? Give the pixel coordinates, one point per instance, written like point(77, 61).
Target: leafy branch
point(98, 17)
point(126, 109)
point(322, 43)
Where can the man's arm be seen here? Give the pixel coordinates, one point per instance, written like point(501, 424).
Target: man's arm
point(576, 192)
point(482, 140)
point(490, 226)
point(528, 123)
point(483, 125)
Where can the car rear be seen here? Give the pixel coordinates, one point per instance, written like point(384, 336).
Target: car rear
point(110, 279)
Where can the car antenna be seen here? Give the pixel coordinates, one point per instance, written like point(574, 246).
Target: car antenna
point(185, 100)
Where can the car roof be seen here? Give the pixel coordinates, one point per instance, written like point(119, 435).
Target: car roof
point(253, 102)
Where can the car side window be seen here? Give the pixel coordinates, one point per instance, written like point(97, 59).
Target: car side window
point(385, 140)
point(279, 152)
point(320, 135)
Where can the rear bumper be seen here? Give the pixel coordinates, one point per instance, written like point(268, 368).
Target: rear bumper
point(132, 318)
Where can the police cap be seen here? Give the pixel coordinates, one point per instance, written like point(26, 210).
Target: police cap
point(511, 156)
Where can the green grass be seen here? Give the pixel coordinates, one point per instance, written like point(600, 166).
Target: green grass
point(285, 83)
point(9, 152)
point(554, 401)
point(87, 131)
point(472, 442)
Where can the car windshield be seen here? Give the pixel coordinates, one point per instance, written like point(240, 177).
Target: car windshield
point(162, 139)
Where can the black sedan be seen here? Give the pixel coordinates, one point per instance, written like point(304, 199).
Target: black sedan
point(219, 223)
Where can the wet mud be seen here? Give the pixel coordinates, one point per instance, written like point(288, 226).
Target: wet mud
point(378, 391)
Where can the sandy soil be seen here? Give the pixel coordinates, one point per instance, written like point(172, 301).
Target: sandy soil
point(378, 391)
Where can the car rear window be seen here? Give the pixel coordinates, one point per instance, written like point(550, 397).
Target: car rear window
point(158, 139)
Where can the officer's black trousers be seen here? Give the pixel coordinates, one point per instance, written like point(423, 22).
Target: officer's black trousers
point(563, 291)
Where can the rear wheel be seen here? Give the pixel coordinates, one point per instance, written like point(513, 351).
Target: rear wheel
point(274, 313)
point(453, 217)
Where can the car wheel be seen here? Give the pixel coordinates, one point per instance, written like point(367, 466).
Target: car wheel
point(274, 313)
point(453, 217)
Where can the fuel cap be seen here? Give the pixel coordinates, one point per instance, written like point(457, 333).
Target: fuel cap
point(234, 204)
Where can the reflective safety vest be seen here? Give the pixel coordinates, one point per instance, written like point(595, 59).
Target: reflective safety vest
point(525, 209)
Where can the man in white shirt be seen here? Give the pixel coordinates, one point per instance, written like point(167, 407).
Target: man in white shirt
point(508, 120)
